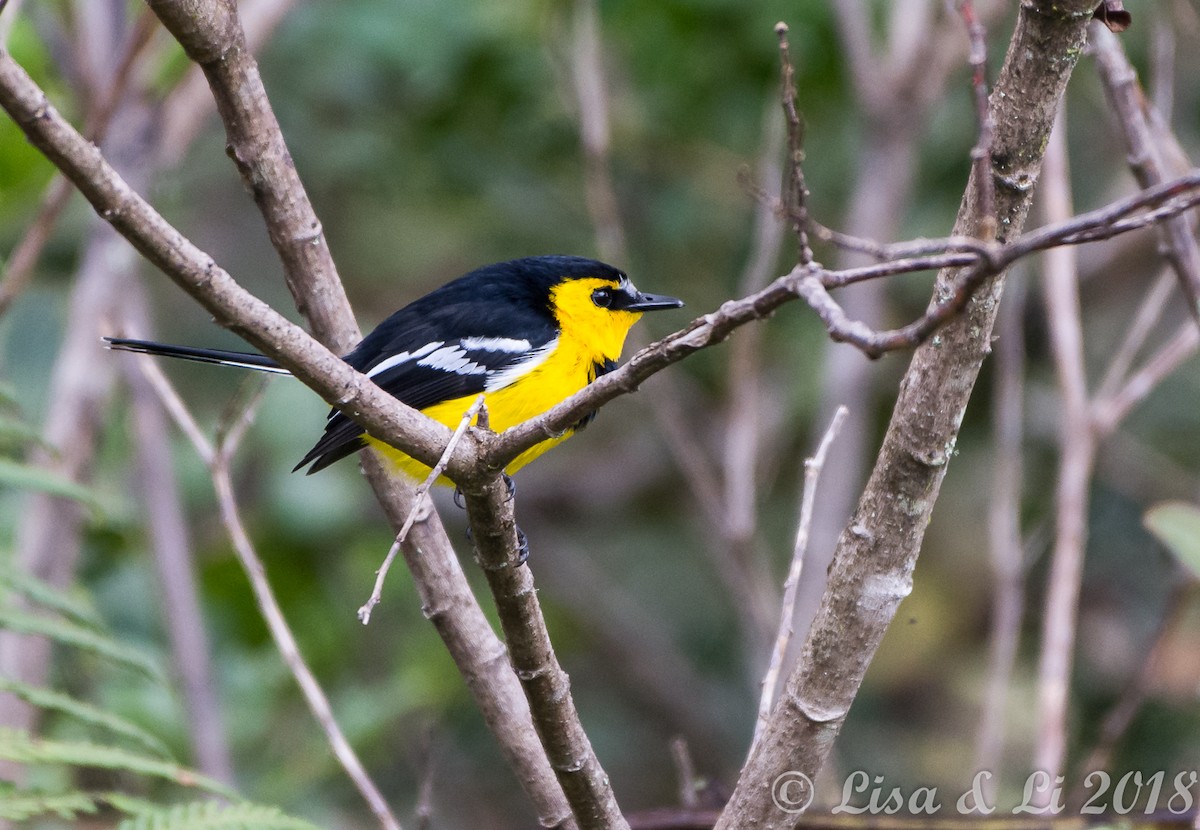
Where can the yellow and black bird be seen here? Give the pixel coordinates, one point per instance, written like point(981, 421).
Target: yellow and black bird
point(526, 333)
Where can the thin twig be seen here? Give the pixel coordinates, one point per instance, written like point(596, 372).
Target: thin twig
point(1108, 412)
point(1005, 552)
point(217, 458)
point(796, 198)
point(685, 773)
point(981, 153)
point(1117, 720)
point(421, 506)
point(1146, 158)
point(812, 472)
point(285, 641)
point(1145, 322)
point(591, 92)
point(1077, 455)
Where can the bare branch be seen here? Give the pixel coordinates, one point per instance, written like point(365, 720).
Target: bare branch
point(591, 91)
point(981, 153)
point(173, 556)
point(1120, 716)
point(873, 564)
point(1145, 321)
point(1108, 412)
point(421, 506)
point(1005, 552)
point(217, 457)
point(211, 34)
point(795, 191)
point(493, 527)
point(1077, 447)
point(314, 695)
point(812, 472)
point(1146, 159)
point(19, 269)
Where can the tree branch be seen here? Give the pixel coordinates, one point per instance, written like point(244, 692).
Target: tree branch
point(469, 639)
point(1146, 159)
point(490, 512)
point(211, 34)
point(873, 564)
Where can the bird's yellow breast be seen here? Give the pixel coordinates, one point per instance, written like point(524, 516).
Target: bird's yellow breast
point(589, 337)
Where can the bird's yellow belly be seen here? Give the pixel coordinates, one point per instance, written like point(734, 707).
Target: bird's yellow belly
point(564, 373)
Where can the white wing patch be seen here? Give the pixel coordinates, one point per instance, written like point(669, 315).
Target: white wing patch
point(457, 358)
point(495, 344)
point(452, 359)
point(510, 374)
point(403, 357)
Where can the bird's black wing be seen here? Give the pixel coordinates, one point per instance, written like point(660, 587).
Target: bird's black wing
point(430, 352)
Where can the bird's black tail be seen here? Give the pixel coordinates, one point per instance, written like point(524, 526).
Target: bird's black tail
point(221, 357)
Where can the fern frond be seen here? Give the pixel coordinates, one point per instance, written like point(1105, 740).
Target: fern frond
point(81, 637)
point(23, 749)
point(23, 805)
point(43, 594)
point(85, 712)
point(28, 477)
point(208, 815)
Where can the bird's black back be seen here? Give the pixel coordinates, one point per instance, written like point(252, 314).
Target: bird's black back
point(502, 300)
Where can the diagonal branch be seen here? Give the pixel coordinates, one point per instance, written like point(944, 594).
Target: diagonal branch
point(452, 607)
point(1146, 158)
point(217, 457)
point(211, 34)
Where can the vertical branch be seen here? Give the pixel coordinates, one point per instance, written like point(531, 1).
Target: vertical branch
point(981, 153)
point(895, 88)
point(49, 531)
point(592, 94)
point(48, 536)
point(1004, 531)
point(1077, 454)
point(743, 431)
point(796, 200)
point(18, 270)
point(173, 558)
point(731, 511)
point(448, 603)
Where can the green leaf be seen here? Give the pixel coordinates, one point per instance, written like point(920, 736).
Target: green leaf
point(85, 712)
point(1176, 525)
point(46, 595)
point(29, 477)
point(78, 636)
point(19, 747)
point(208, 815)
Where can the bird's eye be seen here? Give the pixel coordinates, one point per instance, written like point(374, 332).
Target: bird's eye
point(602, 297)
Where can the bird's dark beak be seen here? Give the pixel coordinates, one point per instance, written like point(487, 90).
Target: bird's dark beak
point(645, 302)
